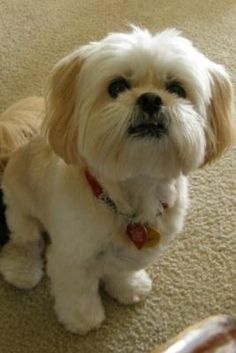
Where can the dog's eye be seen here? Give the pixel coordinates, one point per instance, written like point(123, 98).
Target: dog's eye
point(117, 86)
point(176, 88)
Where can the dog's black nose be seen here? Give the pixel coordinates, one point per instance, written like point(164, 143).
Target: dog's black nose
point(149, 102)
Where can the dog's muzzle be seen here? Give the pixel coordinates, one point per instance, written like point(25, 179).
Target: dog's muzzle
point(148, 118)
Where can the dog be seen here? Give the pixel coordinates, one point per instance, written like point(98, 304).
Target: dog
point(127, 119)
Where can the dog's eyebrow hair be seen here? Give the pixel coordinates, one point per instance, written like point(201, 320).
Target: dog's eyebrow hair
point(172, 78)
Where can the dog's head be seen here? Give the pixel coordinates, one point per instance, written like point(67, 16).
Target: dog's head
point(138, 103)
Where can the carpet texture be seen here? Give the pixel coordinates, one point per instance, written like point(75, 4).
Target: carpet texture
point(197, 275)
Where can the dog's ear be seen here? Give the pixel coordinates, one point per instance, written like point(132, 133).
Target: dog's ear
point(220, 130)
point(60, 125)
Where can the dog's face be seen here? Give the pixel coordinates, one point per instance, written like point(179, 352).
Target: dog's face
point(135, 104)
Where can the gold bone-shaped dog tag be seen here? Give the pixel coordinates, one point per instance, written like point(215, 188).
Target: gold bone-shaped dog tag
point(153, 237)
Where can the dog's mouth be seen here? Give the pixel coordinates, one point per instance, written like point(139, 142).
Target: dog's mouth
point(153, 130)
point(152, 127)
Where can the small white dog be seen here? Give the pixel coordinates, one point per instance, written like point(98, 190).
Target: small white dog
point(127, 119)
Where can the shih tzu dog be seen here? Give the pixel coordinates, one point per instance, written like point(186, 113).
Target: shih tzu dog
point(127, 119)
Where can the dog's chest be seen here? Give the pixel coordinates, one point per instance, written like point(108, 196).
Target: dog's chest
point(120, 252)
point(126, 257)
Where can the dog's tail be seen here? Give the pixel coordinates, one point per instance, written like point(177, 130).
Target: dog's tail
point(18, 125)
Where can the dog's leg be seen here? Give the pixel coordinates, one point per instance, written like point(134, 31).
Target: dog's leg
point(128, 287)
point(75, 288)
point(20, 260)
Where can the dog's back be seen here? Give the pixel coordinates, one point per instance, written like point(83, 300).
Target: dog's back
point(18, 125)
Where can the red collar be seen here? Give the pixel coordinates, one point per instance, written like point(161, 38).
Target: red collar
point(140, 234)
point(94, 184)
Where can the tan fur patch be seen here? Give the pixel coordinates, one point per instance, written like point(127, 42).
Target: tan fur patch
point(18, 125)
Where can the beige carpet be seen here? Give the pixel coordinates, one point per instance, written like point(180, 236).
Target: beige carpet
point(197, 275)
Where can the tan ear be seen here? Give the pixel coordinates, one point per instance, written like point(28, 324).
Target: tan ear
point(60, 124)
point(221, 125)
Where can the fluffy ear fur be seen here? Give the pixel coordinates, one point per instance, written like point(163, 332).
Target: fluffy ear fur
point(221, 125)
point(59, 124)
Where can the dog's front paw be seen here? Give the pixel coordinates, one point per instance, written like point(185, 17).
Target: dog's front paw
point(79, 319)
point(21, 266)
point(129, 288)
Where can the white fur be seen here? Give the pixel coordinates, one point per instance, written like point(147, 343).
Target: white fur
point(89, 244)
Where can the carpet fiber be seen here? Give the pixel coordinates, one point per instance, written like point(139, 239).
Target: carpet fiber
point(197, 275)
